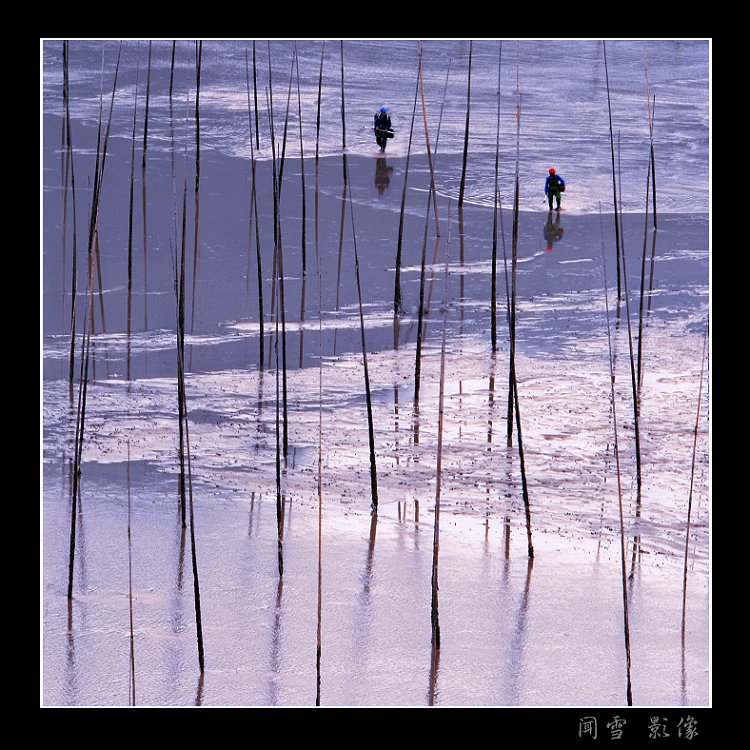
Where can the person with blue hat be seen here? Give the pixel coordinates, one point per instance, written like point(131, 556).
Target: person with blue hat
point(382, 128)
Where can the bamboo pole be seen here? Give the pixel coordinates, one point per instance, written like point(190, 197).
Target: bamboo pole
point(398, 306)
point(279, 507)
point(86, 338)
point(466, 131)
point(130, 592)
point(186, 482)
point(692, 477)
point(303, 232)
point(319, 631)
point(196, 235)
point(493, 283)
point(430, 197)
point(130, 222)
point(614, 180)
point(625, 608)
point(435, 618)
point(253, 213)
point(255, 94)
point(370, 426)
point(651, 132)
point(70, 161)
point(514, 263)
point(143, 192)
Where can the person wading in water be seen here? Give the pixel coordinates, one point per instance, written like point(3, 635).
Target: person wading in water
point(554, 186)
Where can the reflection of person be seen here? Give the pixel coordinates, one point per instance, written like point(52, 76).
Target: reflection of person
point(553, 232)
point(382, 175)
point(554, 186)
point(382, 125)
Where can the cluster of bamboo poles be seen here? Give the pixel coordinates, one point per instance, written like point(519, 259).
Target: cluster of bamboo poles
point(279, 348)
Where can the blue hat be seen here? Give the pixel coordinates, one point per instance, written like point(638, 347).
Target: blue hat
point(383, 109)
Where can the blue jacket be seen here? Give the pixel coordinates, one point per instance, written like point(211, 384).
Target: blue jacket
point(382, 121)
point(556, 177)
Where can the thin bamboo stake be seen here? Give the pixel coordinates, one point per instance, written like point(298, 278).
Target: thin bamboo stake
point(514, 262)
point(143, 193)
point(626, 616)
point(319, 632)
point(70, 161)
point(86, 338)
point(255, 94)
point(302, 172)
point(466, 131)
point(493, 283)
point(130, 222)
point(180, 289)
point(303, 232)
point(370, 426)
point(643, 290)
point(279, 508)
point(253, 214)
point(398, 306)
point(196, 234)
point(636, 395)
point(614, 180)
point(651, 132)
point(80, 422)
point(435, 618)
point(430, 197)
point(343, 195)
point(185, 460)
point(692, 476)
point(130, 593)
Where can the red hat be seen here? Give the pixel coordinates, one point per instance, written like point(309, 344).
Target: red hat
point(552, 171)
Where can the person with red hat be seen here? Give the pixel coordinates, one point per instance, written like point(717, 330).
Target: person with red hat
point(554, 186)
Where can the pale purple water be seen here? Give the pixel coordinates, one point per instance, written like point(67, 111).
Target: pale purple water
point(551, 635)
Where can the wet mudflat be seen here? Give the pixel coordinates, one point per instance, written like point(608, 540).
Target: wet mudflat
point(348, 622)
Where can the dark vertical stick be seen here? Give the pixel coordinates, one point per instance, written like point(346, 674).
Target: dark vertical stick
point(319, 634)
point(143, 180)
point(435, 618)
point(651, 133)
point(493, 283)
point(69, 157)
point(302, 169)
point(304, 213)
point(466, 131)
point(514, 263)
point(626, 616)
point(370, 426)
point(643, 290)
point(194, 560)
point(692, 476)
point(279, 499)
point(180, 288)
point(254, 212)
point(344, 191)
point(130, 593)
point(130, 222)
point(185, 439)
point(522, 460)
point(614, 178)
point(278, 246)
point(86, 340)
point(431, 196)
point(196, 244)
point(397, 301)
point(255, 93)
point(80, 422)
point(636, 395)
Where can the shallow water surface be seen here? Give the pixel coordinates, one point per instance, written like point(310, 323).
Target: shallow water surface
point(282, 464)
